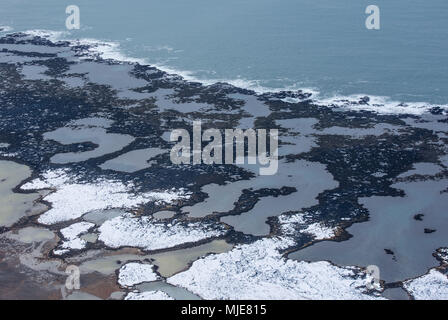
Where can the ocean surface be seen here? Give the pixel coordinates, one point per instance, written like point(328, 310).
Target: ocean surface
point(103, 151)
point(267, 45)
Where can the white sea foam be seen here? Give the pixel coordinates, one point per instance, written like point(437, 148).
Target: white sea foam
point(248, 84)
point(378, 104)
point(6, 29)
point(53, 36)
point(105, 49)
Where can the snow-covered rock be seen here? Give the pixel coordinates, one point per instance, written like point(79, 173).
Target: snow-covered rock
point(148, 295)
point(71, 234)
point(258, 271)
point(72, 199)
point(296, 223)
point(150, 234)
point(442, 255)
point(431, 286)
point(134, 273)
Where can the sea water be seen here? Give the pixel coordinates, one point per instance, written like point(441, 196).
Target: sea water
point(269, 44)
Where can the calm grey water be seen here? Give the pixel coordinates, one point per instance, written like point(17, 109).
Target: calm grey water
point(322, 44)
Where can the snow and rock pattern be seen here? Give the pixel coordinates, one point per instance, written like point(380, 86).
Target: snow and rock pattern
point(258, 271)
point(72, 105)
point(135, 273)
point(149, 234)
point(431, 286)
point(72, 240)
point(148, 295)
point(297, 223)
point(442, 255)
point(72, 199)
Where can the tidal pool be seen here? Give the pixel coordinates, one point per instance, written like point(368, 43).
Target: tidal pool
point(254, 107)
point(133, 161)
point(395, 294)
point(14, 206)
point(309, 179)
point(172, 262)
point(116, 76)
point(31, 234)
point(87, 130)
point(221, 198)
point(160, 215)
point(164, 102)
point(35, 72)
point(168, 263)
point(422, 168)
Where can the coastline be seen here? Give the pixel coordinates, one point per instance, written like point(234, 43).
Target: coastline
point(357, 101)
point(147, 114)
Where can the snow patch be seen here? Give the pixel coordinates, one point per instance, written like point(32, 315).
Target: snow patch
point(319, 231)
point(72, 240)
point(135, 273)
point(72, 199)
point(148, 234)
point(431, 286)
point(148, 295)
point(293, 224)
point(258, 271)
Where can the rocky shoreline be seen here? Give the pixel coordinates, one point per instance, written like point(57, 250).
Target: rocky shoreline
point(59, 100)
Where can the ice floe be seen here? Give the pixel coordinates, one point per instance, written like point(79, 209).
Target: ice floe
point(149, 234)
point(258, 271)
point(72, 199)
point(135, 273)
point(133, 161)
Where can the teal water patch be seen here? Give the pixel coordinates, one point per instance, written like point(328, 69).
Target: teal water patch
point(265, 44)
